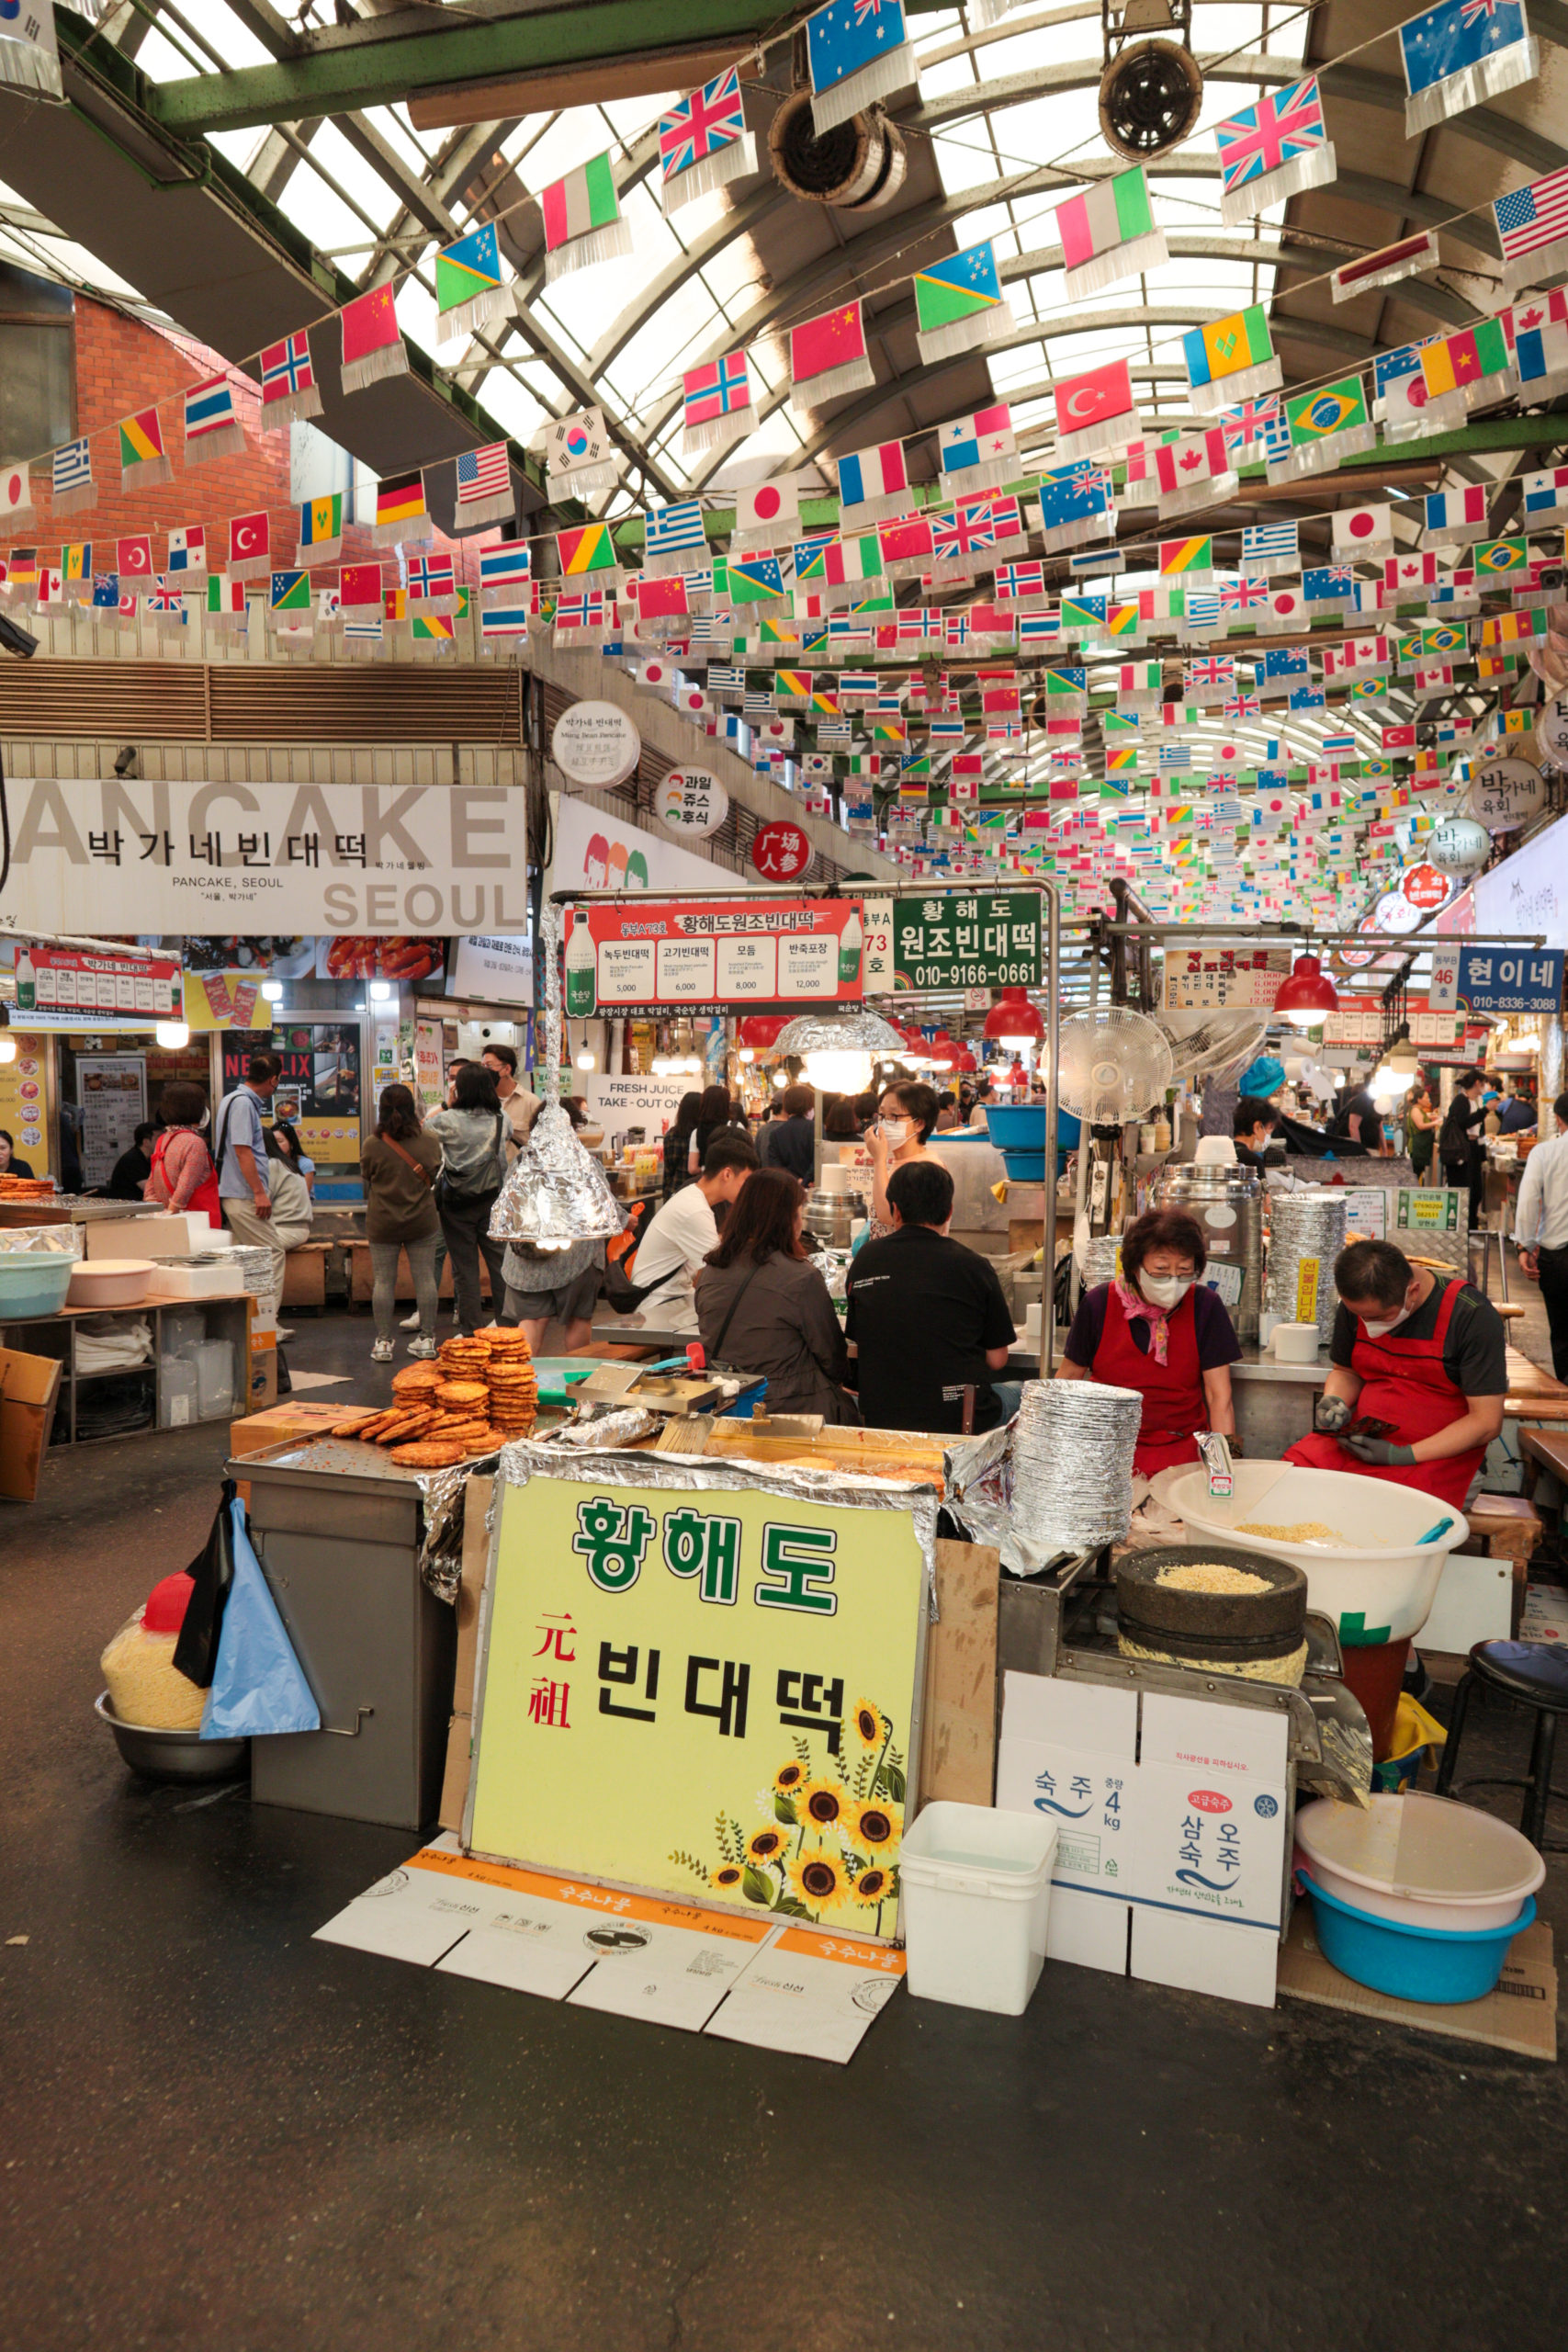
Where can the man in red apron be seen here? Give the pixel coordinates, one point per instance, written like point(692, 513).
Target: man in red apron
point(1157, 1329)
point(1423, 1352)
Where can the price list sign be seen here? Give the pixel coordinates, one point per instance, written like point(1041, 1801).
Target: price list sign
point(711, 954)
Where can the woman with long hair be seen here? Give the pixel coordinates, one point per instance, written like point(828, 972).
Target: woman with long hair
point(400, 1164)
point(678, 1143)
point(714, 1111)
point(762, 1306)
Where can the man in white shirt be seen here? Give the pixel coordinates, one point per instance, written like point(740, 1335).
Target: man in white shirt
point(1541, 1228)
point(521, 1107)
point(685, 1229)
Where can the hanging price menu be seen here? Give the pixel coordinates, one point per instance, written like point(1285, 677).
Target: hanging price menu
point(712, 954)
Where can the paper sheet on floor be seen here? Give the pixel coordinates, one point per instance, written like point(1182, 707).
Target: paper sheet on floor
point(810, 1994)
point(319, 1379)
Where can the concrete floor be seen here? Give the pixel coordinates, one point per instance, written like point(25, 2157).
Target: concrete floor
point(218, 2134)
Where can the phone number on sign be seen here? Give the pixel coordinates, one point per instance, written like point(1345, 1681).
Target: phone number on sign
point(958, 976)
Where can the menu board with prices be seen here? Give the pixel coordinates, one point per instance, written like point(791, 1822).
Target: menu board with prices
point(1214, 978)
point(707, 955)
point(112, 1089)
point(71, 987)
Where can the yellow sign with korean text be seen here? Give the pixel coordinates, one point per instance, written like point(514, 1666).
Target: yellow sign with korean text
point(707, 1693)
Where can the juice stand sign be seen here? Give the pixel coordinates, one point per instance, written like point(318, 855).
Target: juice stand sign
point(705, 955)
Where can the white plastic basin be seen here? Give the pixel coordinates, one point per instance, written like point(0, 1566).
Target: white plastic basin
point(1428, 1861)
point(1381, 1584)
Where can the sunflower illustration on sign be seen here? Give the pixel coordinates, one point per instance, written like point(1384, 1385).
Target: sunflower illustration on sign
point(827, 1847)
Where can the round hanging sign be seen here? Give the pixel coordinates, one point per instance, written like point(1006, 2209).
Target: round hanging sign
point(1460, 846)
point(594, 743)
point(691, 801)
point(1551, 732)
point(1425, 888)
point(1394, 913)
point(781, 851)
point(1506, 792)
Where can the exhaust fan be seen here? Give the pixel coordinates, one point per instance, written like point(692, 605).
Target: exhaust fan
point(858, 166)
point(1150, 93)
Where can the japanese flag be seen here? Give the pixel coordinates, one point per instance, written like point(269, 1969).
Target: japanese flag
point(1363, 531)
point(769, 506)
point(16, 494)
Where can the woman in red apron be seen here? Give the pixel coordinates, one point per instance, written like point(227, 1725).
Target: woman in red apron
point(1155, 1329)
point(1440, 1433)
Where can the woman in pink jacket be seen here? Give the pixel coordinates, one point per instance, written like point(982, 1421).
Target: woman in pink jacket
point(183, 1175)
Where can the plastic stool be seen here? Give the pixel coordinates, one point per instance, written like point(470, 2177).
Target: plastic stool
point(1532, 1674)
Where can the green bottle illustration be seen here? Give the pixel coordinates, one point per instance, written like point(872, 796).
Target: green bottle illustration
point(850, 940)
point(582, 988)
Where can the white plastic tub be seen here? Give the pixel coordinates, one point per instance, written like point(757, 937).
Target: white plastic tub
point(1378, 1586)
point(976, 1889)
point(1425, 1861)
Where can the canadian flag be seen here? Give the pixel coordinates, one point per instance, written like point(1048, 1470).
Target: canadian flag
point(1189, 463)
point(1402, 571)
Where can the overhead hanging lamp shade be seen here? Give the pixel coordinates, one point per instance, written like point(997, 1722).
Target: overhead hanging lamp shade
point(1013, 1021)
point(1309, 996)
point(839, 1049)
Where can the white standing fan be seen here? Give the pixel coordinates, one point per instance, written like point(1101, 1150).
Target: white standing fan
point(1112, 1065)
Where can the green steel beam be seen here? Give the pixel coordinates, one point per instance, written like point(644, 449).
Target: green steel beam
point(326, 80)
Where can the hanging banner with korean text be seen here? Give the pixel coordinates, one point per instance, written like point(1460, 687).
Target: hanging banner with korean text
point(132, 855)
point(74, 988)
point(708, 1692)
point(706, 954)
point(979, 939)
point(1500, 980)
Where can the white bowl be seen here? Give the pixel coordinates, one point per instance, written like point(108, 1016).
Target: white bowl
point(1378, 1587)
point(110, 1282)
point(1427, 1860)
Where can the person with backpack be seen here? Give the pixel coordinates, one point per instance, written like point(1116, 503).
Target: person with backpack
point(472, 1134)
point(400, 1164)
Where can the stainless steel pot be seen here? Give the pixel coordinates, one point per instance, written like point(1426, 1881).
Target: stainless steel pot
point(833, 1216)
point(173, 1755)
point(1227, 1201)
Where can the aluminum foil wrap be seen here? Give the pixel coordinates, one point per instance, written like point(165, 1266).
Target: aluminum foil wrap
point(556, 1193)
point(1305, 1225)
point(445, 1494)
point(1099, 1258)
point(840, 1033)
point(43, 1240)
point(1072, 1471)
point(254, 1263)
point(624, 1426)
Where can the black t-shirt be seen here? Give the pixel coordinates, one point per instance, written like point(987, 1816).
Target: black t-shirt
point(1454, 1140)
point(1474, 1352)
point(1361, 1108)
point(922, 1312)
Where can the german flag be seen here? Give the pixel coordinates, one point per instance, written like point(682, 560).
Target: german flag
point(400, 499)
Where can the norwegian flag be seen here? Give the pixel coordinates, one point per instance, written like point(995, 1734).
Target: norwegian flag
point(1243, 595)
point(430, 576)
point(1014, 582)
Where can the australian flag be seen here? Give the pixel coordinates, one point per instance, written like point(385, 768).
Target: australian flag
point(1444, 44)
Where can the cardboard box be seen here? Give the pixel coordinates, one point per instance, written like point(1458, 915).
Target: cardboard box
point(1519, 2014)
point(476, 1554)
point(140, 1237)
point(29, 1388)
point(283, 1424)
point(1069, 1751)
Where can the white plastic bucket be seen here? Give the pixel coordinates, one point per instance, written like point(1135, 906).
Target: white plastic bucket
point(976, 1889)
point(1428, 1861)
point(1381, 1584)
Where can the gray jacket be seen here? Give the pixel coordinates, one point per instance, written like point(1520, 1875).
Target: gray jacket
point(473, 1147)
point(784, 1326)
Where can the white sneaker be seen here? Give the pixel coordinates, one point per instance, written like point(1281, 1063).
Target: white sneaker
point(411, 1322)
point(381, 1352)
point(284, 1332)
point(421, 1347)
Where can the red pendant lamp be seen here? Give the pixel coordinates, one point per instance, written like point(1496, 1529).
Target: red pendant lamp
point(1013, 1021)
point(1309, 996)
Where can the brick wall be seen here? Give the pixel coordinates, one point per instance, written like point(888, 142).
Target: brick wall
point(123, 365)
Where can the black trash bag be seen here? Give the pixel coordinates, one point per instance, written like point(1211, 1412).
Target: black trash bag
point(213, 1571)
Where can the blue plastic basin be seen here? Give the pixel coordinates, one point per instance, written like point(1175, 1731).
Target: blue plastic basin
point(1432, 1964)
point(33, 1282)
point(1018, 1130)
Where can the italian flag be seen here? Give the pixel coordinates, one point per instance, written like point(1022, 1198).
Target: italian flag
point(582, 219)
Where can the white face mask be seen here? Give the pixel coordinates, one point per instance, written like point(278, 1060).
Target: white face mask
point(1165, 1289)
point(1377, 1330)
point(894, 1133)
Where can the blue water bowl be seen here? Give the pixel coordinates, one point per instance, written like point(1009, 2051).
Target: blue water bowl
point(1438, 1966)
point(1018, 1130)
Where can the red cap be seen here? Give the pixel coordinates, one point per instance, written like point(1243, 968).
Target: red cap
point(167, 1603)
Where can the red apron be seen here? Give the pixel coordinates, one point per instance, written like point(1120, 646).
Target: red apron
point(1402, 1381)
point(205, 1197)
point(1174, 1404)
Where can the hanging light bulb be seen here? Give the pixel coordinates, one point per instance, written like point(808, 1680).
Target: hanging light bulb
point(587, 1059)
point(1014, 1022)
point(172, 1033)
point(838, 1049)
point(7, 1048)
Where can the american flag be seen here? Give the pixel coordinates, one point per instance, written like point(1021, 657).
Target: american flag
point(699, 125)
point(1269, 133)
point(483, 474)
point(1529, 217)
point(286, 367)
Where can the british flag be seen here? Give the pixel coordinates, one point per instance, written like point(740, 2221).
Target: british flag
point(168, 596)
point(970, 528)
point(1243, 706)
point(1244, 596)
point(1269, 133)
point(1218, 671)
point(698, 126)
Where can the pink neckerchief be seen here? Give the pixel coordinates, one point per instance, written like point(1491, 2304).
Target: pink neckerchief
point(1156, 1318)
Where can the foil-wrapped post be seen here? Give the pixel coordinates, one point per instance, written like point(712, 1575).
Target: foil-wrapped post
point(556, 1193)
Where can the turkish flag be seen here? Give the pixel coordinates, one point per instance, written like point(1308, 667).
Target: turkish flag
point(133, 559)
point(249, 536)
point(1085, 403)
